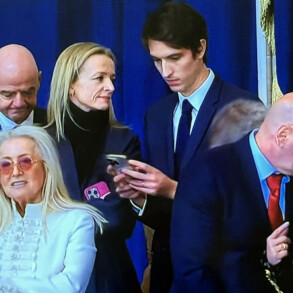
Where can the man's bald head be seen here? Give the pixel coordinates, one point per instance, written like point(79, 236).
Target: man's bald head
point(17, 58)
point(275, 136)
point(288, 98)
point(19, 82)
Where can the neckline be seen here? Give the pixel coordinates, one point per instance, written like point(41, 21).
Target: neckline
point(32, 210)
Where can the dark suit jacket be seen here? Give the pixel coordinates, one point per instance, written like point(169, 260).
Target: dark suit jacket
point(40, 116)
point(220, 224)
point(160, 154)
point(113, 271)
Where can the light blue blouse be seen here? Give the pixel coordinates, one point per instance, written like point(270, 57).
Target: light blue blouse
point(56, 255)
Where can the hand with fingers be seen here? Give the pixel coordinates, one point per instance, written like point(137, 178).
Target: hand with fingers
point(149, 180)
point(277, 244)
point(123, 187)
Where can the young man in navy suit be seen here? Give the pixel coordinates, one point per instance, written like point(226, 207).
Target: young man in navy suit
point(19, 84)
point(224, 211)
point(176, 37)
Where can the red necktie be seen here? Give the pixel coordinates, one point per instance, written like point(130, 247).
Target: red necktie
point(274, 210)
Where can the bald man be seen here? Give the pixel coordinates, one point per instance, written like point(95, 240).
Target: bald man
point(224, 210)
point(19, 85)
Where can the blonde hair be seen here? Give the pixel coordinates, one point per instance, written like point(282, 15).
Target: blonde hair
point(65, 73)
point(54, 193)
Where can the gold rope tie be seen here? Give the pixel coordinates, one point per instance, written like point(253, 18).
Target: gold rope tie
point(273, 283)
point(267, 22)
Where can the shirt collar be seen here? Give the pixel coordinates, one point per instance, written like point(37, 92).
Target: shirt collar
point(7, 124)
point(263, 166)
point(197, 97)
point(31, 210)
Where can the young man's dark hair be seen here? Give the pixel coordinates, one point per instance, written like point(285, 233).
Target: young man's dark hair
point(178, 25)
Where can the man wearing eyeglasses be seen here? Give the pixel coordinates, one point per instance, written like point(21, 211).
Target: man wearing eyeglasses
point(19, 85)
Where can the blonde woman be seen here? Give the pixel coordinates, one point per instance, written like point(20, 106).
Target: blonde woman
point(82, 120)
point(46, 238)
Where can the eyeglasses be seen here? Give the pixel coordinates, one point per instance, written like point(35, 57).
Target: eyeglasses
point(23, 163)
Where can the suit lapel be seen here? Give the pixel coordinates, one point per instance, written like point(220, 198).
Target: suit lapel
point(252, 185)
point(289, 201)
point(203, 120)
point(168, 135)
point(289, 209)
point(67, 163)
point(40, 116)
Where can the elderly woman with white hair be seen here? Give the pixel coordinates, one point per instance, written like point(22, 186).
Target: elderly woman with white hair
point(46, 238)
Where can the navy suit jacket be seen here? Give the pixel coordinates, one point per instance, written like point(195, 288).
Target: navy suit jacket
point(40, 116)
point(220, 224)
point(113, 271)
point(160, 154)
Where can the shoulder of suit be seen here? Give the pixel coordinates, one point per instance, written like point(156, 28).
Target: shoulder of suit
point(120, 134)
point(117, 131)
point(170, 100)
point(40, 115)
point(233, 92)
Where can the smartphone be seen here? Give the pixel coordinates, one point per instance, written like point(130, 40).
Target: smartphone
point(97, 190)
point(118, 161)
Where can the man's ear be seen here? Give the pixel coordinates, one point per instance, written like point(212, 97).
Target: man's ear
point(40, 77)
point(202, 48)
point(282, 135)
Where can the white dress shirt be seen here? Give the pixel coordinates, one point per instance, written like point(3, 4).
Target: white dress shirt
point(195, 99)
point(7, 124)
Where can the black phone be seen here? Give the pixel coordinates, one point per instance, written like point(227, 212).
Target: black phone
point(118, 161)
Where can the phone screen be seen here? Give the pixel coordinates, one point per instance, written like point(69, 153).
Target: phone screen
point(118, 162)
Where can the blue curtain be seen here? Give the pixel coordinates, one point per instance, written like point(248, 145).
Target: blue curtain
point(46, 27)
point(284, 43)
point(232, 39)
